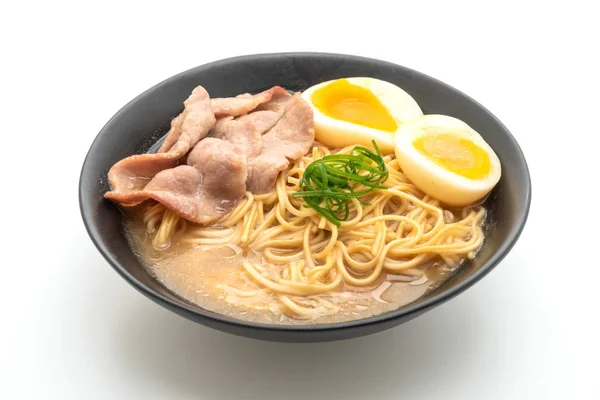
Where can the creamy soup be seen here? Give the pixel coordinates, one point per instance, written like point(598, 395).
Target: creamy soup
point(212, 277)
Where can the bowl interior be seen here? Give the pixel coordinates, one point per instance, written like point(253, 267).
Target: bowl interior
point(142, 122)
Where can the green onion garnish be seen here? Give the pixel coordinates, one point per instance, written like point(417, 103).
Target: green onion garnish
point(330, 182)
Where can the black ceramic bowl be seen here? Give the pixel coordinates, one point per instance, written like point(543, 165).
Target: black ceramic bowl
point(143, 122)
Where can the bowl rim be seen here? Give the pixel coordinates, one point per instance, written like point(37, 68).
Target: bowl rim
point(406, 312)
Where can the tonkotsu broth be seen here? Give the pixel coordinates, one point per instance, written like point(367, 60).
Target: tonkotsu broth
point(201, 275)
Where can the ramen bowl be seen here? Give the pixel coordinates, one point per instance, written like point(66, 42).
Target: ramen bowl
point(140, 124)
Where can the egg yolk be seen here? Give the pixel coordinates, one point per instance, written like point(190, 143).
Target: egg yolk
point(455, 154)
point(344, 101)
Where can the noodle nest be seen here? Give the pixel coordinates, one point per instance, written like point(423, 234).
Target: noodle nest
point(305, 259)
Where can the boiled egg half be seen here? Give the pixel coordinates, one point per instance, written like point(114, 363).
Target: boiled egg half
point(355, 111)
point(447, 159)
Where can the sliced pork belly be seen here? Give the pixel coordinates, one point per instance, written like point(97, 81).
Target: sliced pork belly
point(209, 186)
point(244, 103)
point(227, 107)
point(277, 102)
point(246, 131)
point(133, 173)
point(290, 138)
point(243, 153)
point(172, 135)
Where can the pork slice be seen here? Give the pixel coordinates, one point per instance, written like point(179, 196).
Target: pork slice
point(172, 135)
point(277, 103)
point(133, 173)
point(244, 103)
point(290, 138)
point(208, 187)
point(246, 131)
point(263, 171)
point(232, 107)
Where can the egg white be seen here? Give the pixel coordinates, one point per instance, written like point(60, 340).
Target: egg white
point(446, 186)
point(336, 133)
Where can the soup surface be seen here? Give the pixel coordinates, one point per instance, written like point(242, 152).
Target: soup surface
point(212, 277)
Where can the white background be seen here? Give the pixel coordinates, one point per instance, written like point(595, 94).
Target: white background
point(73, 329)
